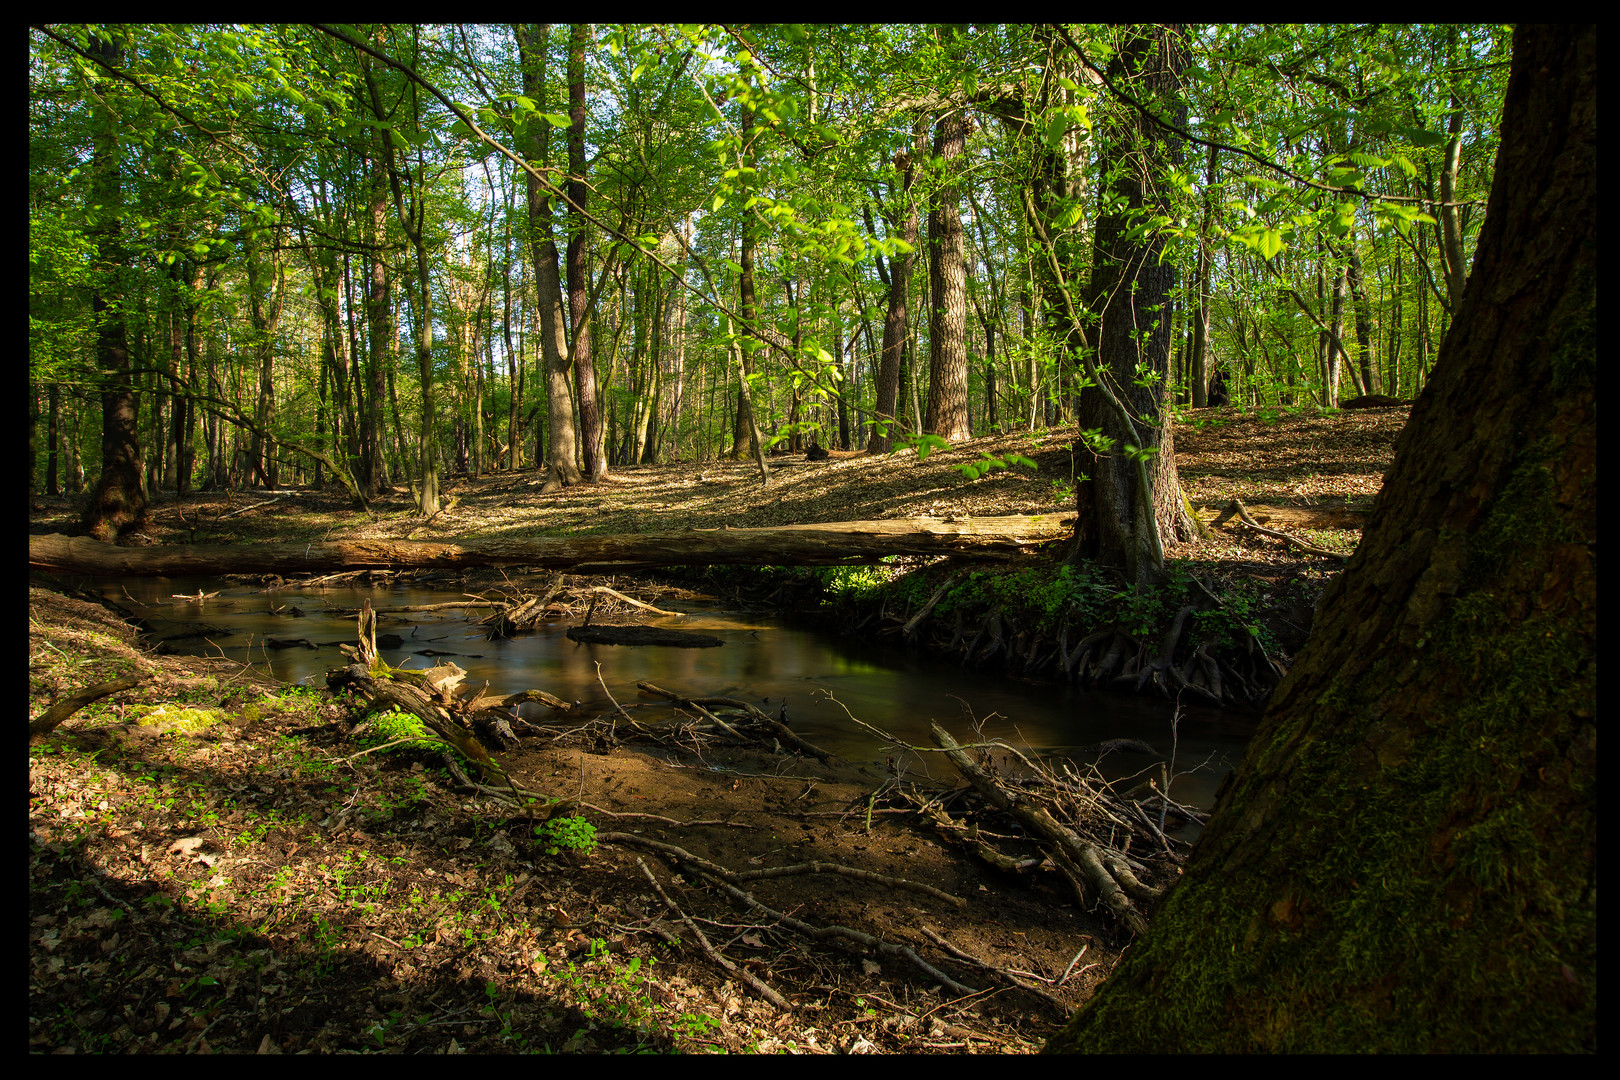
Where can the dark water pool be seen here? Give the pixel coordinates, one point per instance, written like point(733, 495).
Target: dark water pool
point(821, 677)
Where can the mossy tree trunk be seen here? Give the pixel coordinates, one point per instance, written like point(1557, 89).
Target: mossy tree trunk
point(1406, 859)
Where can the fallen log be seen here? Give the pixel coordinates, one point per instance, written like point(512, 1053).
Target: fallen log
point(830, 543)
point(47, 721)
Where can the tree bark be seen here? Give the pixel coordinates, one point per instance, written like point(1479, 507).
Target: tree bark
point(1406, 858)
point(117, 506)
point(1132, 290)
point(590, 410)
point(558, 455)
point(379, 334)
point(745, 424)
point(825, 544)
point(887, 405)
point(947, 414)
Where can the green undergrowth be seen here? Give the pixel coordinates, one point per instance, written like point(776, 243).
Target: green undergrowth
point(270, 853)
point(1047, 596)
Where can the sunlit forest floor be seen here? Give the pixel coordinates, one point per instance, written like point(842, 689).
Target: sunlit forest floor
point(1298, 459)
point(241, 877)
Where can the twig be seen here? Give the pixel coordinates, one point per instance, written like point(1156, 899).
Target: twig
point(1065, 976)
point(637, 603)
point(668, 820)
point(1243, 512)
point(613, 728)
point(899, 952)
point(245, 509)
point(764, 991)
point(736, 877)
point(939, 939)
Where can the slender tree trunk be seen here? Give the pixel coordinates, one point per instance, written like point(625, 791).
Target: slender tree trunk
point(947, 414)
point(53, 439)
point(117, 506)
point(590, 409)
point(266, 320)
point(558, 456)
point(887, 405)
point(1336, 358)
point(1451, 252)
point(745, 425)
point(380, 336)
point(1406, 860)
point(1363, 309)
point(677, 397)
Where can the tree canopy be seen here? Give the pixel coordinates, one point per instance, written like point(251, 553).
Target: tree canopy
point(881, 236)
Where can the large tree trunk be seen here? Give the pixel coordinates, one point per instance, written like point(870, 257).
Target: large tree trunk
point(1131, 290)
point(1406, 859)
point(803, 545)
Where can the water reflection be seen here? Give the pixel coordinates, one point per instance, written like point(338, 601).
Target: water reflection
point(820, 678)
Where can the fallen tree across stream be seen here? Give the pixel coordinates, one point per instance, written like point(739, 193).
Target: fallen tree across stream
point(830, 543)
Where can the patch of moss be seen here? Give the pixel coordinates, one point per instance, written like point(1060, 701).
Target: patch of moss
point(175, 718)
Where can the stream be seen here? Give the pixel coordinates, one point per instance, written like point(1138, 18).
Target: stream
point(769, 659)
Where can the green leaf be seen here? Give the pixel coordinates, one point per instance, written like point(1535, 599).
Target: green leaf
point(557, 119)
point(1271, 242)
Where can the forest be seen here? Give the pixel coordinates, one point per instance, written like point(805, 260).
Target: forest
point(1246, 369)
point(383, 255)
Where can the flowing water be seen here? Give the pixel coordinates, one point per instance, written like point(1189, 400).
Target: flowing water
point(821, 678)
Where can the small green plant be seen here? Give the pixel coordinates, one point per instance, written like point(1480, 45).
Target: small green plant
point(400, 727)
point(854, 583)
point(975, 469)
point(569, 833)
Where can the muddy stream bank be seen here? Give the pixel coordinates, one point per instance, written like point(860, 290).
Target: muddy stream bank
point(778, 660)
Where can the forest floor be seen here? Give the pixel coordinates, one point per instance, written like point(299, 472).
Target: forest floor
point(215, 864)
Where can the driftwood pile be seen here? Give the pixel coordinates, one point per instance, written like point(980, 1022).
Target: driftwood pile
point(1020, 815)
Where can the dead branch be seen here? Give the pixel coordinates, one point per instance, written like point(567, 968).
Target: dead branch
point(637, 603)
point(922, 613)
point(1001, 973)
point(780, 730)
point(763, 990)
point(1069, 846)
point(737, 877)
point(47, 721)
point(1243, 513)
